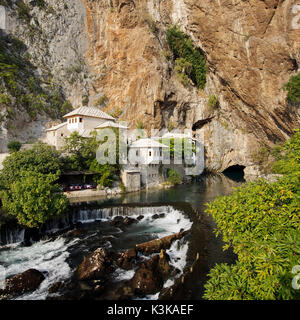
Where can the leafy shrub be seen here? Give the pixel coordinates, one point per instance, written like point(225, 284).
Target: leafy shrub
point(183, 69)
point(213, 101)
point(174, 177)
point(34, 198)
point(288, 156)
point(260, 221)
point(41, 158)
point(14, 146)
point(106, 172)
point(293, 88)
point(183, 48)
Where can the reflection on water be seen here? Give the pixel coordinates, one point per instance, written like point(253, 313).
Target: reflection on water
point(205, 189)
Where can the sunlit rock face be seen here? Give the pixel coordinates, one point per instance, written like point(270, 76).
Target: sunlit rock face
point(251, 47)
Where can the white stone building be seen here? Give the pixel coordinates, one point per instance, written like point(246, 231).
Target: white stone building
point(146, 155)
point(84, 120)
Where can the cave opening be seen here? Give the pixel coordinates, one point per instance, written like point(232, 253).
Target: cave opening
point(235, 172)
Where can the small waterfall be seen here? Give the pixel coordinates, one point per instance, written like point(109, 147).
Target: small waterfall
point(10, 235)
point(14, 234)
point(88, 215)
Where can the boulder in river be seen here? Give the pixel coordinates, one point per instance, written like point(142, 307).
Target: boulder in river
point(96, 265)
point(21, 283)
point(150, 277)
point(125, 261)
point(117, 220)
point(129, 221)
point(157, 245)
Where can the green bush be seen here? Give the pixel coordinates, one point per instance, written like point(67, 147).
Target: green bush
point(174, 177)
point(14, 146)
point(41, 158)
point(34, 198)
point(213, 101)
point(288, 157)
point(260, 221)
point(106, 172)
point(293, 89)
point(182, 47)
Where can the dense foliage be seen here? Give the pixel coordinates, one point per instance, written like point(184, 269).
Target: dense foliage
point(189, 60)
point(213, 101)
point(29, 191)
point(41, 158)
point(293, 88)
point(261, 222)
point(288, 156)
point(174, 177)
point(14, 146)
point(82, 156)
point(34, 198)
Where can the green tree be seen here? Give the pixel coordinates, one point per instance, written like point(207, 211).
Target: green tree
point(41, 158)
point(106, 172)
point(81, 151)
point(174, 177)
point(260, 221)
point(14, 146)
point(34, 198)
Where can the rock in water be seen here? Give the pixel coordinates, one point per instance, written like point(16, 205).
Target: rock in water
point(146, 281)
point(129, 221)
point(95, 266)
point(150, 277)
point(158, 244)
point(125, 261)
point(21, 283)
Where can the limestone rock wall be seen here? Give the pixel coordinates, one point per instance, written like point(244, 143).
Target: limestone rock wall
point(252, 49)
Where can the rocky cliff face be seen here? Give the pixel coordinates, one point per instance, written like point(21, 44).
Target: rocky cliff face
point(54, 37)
point(251, 47)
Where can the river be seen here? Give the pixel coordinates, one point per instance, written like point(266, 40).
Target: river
point(182, 208)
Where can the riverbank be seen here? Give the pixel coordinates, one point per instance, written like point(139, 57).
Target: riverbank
point(94, 194)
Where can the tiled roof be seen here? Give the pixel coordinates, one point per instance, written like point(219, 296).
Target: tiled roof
point(111, 124)
point(85, 133)
point(147, 143)
point(57, 126)
point(89, 112)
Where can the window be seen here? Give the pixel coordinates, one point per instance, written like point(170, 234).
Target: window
point(75, 120)
point(72, 120)
point(80, 119)
point(137, 153)
point(61, 134)
point(150, 153)
point(161, 153)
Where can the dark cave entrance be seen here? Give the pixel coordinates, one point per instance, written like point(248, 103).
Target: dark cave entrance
point(235, 173)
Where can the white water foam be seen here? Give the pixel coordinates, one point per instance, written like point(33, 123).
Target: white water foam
point(50, 256)
point(45, 256)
